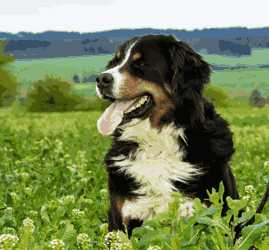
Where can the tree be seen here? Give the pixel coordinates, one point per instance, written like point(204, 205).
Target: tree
point(8, 83)
point(256, 99)
point(216, 95)
point(76, 78)
point(52, 94)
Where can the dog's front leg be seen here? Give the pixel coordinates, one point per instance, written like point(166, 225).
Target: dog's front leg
point(131, 224)
point(115, 221)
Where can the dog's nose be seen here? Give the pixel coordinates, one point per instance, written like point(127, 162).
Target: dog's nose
point(104, 80)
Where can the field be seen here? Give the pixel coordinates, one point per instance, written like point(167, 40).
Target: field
point(53, 191)
point(237, 82)
point(52, 172)
point(257, 57)
point(242, 81)
point(66, 67)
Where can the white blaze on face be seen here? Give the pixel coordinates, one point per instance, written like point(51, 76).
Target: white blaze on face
point(116, 74)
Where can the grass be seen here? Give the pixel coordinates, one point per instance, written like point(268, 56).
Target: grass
point(48, 160)
point(52, 172)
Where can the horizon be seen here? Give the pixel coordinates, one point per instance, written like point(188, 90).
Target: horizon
point(138, 28)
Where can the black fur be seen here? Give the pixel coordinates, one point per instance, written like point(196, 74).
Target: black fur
point(209, 139)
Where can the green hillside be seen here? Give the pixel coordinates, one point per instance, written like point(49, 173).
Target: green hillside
point(258, 57)
point(66, 67)
point(242, 81)
point(237, 82)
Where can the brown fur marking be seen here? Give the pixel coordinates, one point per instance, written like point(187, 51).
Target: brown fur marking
point(136, 56)
point(134, 87)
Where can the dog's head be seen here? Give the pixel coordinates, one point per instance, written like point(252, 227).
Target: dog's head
point(154, 76)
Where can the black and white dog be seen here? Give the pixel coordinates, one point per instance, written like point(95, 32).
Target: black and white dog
point(166, 136)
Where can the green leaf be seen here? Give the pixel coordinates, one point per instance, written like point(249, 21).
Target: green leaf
point(44, 214)
point(69, 231)
point(250, 235)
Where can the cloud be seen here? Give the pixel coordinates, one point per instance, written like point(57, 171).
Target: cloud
point(12, 7)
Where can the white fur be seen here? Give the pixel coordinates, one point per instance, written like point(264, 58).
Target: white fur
point(117, 76)
point(98, 92)
point(157, 162)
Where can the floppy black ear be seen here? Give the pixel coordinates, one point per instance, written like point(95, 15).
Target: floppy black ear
point(189, 75)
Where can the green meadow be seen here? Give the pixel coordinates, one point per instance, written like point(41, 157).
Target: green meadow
point(53, 192)
point(53, 188)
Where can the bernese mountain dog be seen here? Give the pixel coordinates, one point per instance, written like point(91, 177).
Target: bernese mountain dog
point(166, 136)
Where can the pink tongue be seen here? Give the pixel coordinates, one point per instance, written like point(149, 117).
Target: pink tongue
point(112, 117)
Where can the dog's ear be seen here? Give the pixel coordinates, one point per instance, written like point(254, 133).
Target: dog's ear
point(189, 75)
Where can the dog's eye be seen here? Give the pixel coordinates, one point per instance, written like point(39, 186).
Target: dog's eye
point(139, 64)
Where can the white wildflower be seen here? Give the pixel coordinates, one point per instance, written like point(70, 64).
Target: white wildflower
point(56, 244)
point(117, 240)
point(83, 240)
point(76, 213)
point(246, 197)
point(154, 248)
point(33, 213)
point(28, 224)
point(249, 189)
point(8, 241)
point(68, 200)
point(186, 210)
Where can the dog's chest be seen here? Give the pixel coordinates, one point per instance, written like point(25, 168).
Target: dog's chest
point(156, 164)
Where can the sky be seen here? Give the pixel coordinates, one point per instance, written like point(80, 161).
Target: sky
point(97, 15)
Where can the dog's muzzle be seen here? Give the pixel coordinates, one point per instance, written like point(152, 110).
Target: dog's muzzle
point(105, 83)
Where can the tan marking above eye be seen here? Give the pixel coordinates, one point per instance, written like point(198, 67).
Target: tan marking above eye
point(118, 54)
point(136, 56)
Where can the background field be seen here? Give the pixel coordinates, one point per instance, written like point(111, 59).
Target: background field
point(236, 81)
point(241, 82)
point(257, 57)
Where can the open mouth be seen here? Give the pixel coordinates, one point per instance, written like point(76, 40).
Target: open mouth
point(139, 107)
point(122, 111)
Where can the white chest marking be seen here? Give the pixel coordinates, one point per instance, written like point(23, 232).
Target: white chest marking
point(158, 162)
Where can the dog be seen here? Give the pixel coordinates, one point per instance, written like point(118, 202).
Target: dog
point(166, 136)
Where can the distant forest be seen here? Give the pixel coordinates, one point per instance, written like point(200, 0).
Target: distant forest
point(222, 41)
